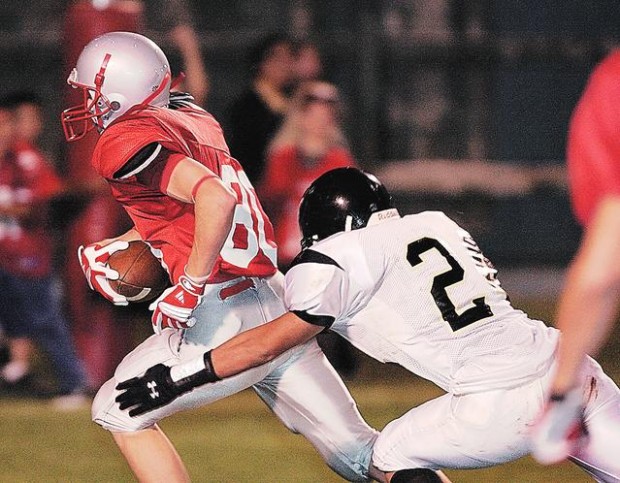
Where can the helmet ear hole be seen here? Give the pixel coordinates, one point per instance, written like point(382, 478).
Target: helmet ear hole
point(118, 105)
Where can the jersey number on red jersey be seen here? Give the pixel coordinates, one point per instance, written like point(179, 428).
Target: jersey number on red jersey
point(248, 223)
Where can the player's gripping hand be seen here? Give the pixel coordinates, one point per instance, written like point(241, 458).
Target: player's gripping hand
point(174, 307)
point(160, 385)
point(560, 430)
point(93, 260)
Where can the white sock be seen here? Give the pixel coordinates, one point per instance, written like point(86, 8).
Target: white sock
point(14, 371)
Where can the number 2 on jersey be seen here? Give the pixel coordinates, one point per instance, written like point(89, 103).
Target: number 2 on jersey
point(479, 311)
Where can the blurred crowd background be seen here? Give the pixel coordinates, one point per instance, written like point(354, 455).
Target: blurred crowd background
point(457, 106)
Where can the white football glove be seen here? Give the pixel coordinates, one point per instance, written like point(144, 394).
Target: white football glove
point(93, 260)
point(174, 307)
point(560, 429)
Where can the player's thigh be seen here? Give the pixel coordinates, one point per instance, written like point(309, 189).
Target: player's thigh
point(218, 320)
point(470, 431)
point(169, 349)
point(307, 394)
point(600, 455)
point(417, 439)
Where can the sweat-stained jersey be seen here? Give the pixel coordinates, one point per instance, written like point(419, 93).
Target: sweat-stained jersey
point(418, 292)
point(165, 223)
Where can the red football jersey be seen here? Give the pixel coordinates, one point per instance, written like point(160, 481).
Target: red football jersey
point(26, 178)
point(168, 224)
point(594, 140)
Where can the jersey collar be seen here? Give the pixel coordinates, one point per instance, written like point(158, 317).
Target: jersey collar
point(383, 215)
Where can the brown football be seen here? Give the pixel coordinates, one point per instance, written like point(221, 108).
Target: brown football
point(141, 276)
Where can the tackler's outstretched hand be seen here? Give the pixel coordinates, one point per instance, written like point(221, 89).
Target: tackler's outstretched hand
point(160, 385)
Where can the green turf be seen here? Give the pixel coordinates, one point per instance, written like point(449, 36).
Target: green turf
point(235, 440)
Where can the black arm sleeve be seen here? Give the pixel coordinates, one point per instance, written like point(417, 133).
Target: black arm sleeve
point(141, 160)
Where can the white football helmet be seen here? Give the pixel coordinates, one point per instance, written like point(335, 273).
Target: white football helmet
point(116, 71)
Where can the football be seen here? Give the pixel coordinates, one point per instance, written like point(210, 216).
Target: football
point(141, 276)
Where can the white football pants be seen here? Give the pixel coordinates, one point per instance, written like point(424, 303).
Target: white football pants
point(300, 386)
point(487, 428)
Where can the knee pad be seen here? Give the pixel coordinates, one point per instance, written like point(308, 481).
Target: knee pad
point(417, 475)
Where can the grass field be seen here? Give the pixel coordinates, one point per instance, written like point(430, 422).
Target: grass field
point(235, 440)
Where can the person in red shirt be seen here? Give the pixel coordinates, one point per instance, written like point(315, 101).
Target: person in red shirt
point(309, 143)
point(588, 306)
point(167, 164)
point(29, 308)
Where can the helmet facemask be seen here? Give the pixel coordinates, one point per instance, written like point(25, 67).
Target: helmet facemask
point(78, 120)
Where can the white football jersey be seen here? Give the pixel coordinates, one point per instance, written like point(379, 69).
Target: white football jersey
point(417, 291)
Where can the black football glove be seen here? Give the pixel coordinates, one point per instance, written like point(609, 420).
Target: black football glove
point(156, 388)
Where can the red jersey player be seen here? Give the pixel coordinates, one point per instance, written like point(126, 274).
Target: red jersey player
point(167, 163)
point(589, 303)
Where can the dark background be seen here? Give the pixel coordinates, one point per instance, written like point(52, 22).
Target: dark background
point(494, 81)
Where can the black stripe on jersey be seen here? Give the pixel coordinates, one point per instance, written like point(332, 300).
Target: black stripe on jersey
point(140, 160)
point(320, 320)
point(311, 256)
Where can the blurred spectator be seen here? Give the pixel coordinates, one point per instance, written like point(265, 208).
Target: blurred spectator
point(195, 79)
point(589, 303)
point(256, 115)
point(27, 110)
point(27, 123)
point(173, 22)
point(29, 303)
point(176, 19)
point(309, 143)
point(308, 64)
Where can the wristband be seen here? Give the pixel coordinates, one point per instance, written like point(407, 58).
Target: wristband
point(194, 373)
point(198, 281)
point(188, 369)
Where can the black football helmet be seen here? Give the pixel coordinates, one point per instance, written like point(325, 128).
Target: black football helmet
point(340, 200)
